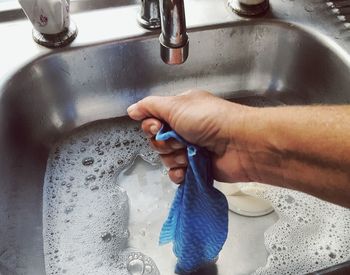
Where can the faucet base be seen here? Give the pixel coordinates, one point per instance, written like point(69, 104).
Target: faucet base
point(58, 40)
point(248, 10)
point(149, 17)
point(150, 25)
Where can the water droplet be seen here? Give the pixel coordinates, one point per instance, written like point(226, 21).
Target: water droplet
point(88, 161)
point(136, 267)
point(289, 199)
point(309, 8)
point(94, 188)
point(90, 178)
point(68, 209)
point(332, 255)
point(85, 140)
point(106, 237)
point(143, 232)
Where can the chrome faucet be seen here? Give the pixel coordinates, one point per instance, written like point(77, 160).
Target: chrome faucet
point(170, 15)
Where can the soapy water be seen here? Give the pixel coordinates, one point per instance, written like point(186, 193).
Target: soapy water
point(310, 234)
point(85, 213)
point(87, 216)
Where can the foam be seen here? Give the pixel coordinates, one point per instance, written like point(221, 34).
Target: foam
point(85, 213)
point(310, 234)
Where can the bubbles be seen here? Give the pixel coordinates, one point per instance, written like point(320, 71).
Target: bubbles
point(88, 161)
point(332, 255)
point(300, 242)
point(139, 264)
point(106, 237)
point(90, 178)
point(85, 213)
point(136, 267)
point(94, 188)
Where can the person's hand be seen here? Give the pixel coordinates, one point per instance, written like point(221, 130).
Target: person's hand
point(201, 119)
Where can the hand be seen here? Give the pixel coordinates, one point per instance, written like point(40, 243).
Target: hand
point(201, 119)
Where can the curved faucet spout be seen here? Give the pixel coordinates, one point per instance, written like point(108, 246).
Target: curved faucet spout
point(173, 39)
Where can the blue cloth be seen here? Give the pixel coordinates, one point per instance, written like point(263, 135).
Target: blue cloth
point(198, 219)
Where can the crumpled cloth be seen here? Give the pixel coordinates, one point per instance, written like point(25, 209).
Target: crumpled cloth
point(197, 223)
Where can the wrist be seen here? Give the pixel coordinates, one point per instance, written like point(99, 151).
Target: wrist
point(251, 136)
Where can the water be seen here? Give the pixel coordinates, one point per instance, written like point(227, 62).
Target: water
point(97, 220)
point(85, 212)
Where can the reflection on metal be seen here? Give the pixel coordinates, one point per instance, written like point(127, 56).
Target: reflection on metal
point(56, 40)
point(149, 17)
point(174, 39)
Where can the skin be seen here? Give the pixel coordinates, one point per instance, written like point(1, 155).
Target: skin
point(305, 148)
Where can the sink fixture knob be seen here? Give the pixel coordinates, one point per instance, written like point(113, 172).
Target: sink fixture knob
point(52, 26)
point(249, 7)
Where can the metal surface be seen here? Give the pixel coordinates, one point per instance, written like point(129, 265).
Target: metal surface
point(44, 94)
point(173, 39)
point(248, 10)
point(149, 14)
point(56, 40)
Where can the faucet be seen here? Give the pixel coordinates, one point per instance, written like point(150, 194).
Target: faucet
point(170, 16)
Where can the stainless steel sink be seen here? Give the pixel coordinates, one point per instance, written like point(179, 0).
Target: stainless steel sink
point(58, 91)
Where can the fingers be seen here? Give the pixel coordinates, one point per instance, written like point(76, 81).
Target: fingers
point(165, 147)
point(152, 106)
point(151, 126)
point(177, 159)
point(172, 152)
point(177, 175)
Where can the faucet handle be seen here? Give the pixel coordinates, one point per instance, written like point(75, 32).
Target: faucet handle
point(47, 16)
point(51, 21)
point(149, 15)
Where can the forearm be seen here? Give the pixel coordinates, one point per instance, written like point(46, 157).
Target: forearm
point(303, 148)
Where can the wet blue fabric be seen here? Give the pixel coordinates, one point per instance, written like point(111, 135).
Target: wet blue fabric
point(197, 223)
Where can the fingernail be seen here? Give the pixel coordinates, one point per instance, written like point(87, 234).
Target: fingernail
point(131, 108)
point(180, 159)
point(154, 129)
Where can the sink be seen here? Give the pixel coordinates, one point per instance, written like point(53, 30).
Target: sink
point(55, 93)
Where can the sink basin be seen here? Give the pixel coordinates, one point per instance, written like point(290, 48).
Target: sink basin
point(60, 91)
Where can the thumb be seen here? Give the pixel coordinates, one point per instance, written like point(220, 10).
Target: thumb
point(152, 106)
